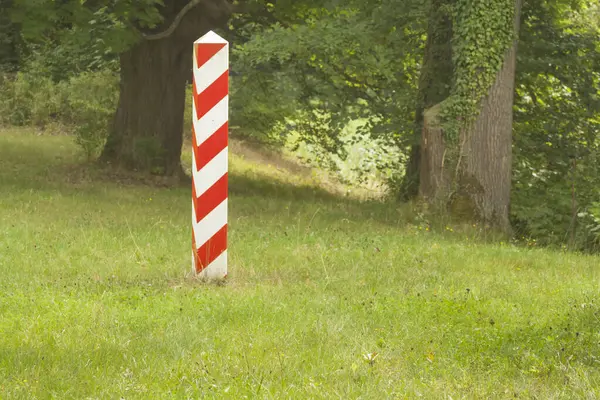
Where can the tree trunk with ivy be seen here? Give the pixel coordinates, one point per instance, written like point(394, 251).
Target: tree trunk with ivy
point(486, 153)
point(147, 131)
point(466, 150)
point(488, 150)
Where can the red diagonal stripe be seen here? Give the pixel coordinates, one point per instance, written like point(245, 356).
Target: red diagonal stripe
point(210, 199)
point(206, 51)
point(209, 98)
point(210, 147)
point(210, 250)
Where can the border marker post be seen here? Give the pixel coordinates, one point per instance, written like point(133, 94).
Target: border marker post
point(210, 114)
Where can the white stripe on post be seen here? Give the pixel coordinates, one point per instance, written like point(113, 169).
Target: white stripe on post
point(210, 225)
point(210, 115)
point(211, 121)
point(206, 177)
point(207, 73)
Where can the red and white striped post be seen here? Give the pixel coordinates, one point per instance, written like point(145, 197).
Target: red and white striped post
point(210, 156)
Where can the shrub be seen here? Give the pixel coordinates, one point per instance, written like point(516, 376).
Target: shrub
point(82, 105)
point(28, 99)
point(591, 226)
point(559, 207)
point(91, 100)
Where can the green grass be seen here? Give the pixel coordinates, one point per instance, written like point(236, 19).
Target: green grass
point(96, 300)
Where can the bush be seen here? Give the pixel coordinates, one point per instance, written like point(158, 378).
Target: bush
point(28, 99)
point(561, 207)
point(91, 100)
point(590, 220)
point(83, 105)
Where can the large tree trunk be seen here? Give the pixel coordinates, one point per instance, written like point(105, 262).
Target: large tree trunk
point(434, 86)
point(148, 125)
point(477, 182)
point(486, 155)
point(147, 131)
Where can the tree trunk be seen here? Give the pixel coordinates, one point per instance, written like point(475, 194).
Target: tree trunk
point(434, 86)
point(147, 131)
point(478, 181)
point(148, 124)
point(486, 155)
point(434, 177)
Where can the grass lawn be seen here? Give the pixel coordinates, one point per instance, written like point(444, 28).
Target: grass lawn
point(96, 299)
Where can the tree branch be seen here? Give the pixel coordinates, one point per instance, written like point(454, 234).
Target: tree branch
point(169, 31)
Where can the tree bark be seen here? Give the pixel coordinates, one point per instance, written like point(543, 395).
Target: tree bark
point(409, 186)
point(486, 155)
point(434, 86)
point(434, 177)
point(147, 131)
point(478, 182)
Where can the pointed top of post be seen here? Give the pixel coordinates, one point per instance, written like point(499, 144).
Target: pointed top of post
point(211, 37)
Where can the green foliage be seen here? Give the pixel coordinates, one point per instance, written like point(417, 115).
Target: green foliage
point(60, 60)
point(556, 173)
point(29, 99)
point(112, 25)
point(91, 101)
point(594, 225)
point(82, 105)
point(10, 41)
point(590, 223)
point(329, 82)
point(340, 65)
point(260, 103)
